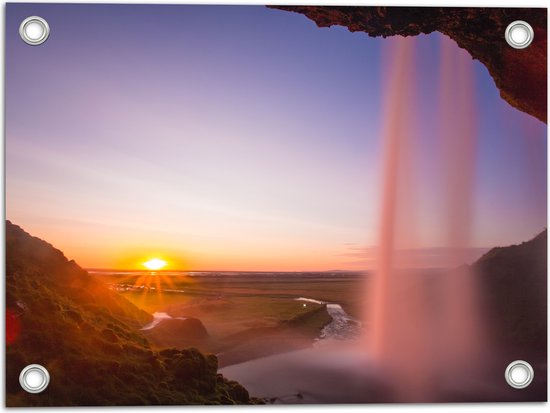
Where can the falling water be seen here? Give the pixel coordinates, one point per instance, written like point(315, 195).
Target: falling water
point(423, 329)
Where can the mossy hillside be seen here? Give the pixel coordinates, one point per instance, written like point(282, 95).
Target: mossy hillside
point(88, 338)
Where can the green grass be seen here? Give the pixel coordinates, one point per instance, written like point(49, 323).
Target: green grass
point(248, 316)
point(233, 304)
point(88, 338)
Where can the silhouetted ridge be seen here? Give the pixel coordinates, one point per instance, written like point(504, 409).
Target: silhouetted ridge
point(514, 285)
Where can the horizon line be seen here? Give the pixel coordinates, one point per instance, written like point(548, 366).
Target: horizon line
point(195, 270)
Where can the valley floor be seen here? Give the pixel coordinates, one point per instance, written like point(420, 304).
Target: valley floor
point(241, 317)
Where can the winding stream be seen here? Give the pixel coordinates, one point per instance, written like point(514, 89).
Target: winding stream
point(157, 318)
point(342, 327)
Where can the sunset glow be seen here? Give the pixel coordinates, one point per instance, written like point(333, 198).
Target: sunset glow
point(295, 187)
point(155, 264)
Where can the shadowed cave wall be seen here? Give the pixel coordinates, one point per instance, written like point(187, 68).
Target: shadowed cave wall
point(520, 75)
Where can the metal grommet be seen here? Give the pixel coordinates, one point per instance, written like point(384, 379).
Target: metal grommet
point(34, 30)
point(519, 34)
point(519, 374)
point(34, 378)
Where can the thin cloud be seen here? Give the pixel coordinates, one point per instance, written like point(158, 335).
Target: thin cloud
point(431, 257)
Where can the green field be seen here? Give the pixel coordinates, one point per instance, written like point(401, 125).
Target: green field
point(246, 316)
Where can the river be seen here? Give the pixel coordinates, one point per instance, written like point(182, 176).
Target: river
point(331, 371)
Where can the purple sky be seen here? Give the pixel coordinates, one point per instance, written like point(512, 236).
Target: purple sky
point(234, 137)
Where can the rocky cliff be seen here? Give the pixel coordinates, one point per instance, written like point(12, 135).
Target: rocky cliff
point(519, 74)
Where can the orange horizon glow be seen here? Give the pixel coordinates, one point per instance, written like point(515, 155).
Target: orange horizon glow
point(129, 248)
point(121, 250)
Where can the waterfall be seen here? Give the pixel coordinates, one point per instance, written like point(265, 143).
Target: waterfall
point(423, 327)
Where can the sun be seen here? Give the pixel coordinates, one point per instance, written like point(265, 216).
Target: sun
point(155, 264)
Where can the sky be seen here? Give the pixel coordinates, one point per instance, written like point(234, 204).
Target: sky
point(234, 138)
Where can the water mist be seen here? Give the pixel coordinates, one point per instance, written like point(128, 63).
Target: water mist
point(422, 325)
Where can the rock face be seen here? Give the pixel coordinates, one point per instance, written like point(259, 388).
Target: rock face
point(180, 333)
point(520, 75)
point(513, 290)
point(513, 284)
